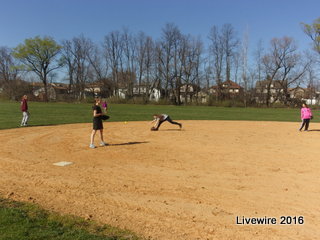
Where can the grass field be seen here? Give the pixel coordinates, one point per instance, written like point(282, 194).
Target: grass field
point(27, 221)
point(61, 113)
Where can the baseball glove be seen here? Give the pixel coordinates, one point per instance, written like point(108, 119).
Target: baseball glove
point(105, 117)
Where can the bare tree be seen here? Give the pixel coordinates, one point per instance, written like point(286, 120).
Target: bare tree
point(258, 55)
point(256, 71)
point(191, 50)
point(130, 66)
point(113, 49)
point(69, 59)
point(140, 57)
point(244, 66)
point(149, 66)
point(145, 62)
point(216, 50)
point(8, 72)
point(80, 71)
point(207, 72)
point(95, 59)
point(230, 43)
point(168, 55)
point(284, 65)
point(237, 65)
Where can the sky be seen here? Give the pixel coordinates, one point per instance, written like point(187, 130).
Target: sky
point(65, 19)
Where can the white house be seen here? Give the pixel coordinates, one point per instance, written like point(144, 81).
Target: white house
point(154, 93)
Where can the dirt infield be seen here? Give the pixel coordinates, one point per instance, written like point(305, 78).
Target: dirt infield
point(172, 184)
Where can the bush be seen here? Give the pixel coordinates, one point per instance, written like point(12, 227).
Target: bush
point(225, 103)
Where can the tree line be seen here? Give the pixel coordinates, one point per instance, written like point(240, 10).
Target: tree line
point(124, 60)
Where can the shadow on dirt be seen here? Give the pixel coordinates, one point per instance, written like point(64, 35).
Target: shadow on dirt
point(127, 143)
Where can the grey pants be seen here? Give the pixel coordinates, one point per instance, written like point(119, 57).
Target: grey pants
point(25, 117)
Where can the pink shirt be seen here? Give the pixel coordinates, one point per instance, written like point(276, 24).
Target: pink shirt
point(104, 104)
point(306, 113)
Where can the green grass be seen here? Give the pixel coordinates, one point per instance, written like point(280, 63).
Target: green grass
point(29, 222)
point(61, 113)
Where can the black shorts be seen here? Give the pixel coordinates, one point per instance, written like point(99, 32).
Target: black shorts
point(97, 123)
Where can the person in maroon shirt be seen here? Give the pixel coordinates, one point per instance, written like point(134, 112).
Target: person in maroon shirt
point(25, 112)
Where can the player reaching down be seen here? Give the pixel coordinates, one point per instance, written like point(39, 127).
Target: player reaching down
point(161, 118)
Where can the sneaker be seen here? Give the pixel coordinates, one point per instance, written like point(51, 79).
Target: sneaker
point(102, 144)
point(92, 146)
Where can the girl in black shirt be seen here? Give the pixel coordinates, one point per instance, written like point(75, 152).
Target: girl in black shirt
point(97, 123)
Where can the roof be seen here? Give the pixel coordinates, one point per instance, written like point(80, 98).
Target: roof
point(264, 84)
point(229, 84)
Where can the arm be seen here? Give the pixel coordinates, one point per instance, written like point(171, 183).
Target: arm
point(95, 114)
point(157, 122)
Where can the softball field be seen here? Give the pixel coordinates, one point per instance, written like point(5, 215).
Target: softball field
point(207, 181)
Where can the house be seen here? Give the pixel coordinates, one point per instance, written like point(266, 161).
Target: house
point(139, 91)
point(272, 88)
point(56, 91)
point(92, 89)
point(276, 92)
point(229, 88)
point(298, 92)
point(190, 92)
point(308, 95)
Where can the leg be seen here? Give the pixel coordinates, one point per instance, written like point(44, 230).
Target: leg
point(173, 122)
point(302, 124)
point(101, 136)
point(22, 121)
point(27, 118)
point(24, 118)
point(92, 137)
point(307, 124)
point(158, 123)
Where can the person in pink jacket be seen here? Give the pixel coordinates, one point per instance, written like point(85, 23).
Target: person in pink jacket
point(306, 115)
